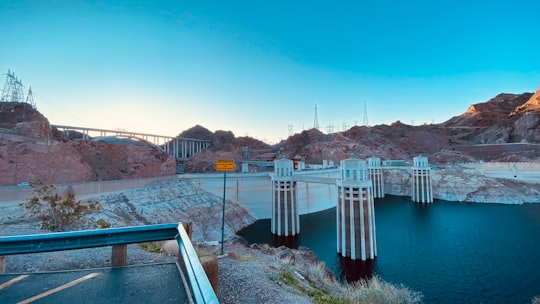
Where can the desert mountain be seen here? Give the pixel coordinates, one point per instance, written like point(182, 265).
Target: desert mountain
point(489, 113)
point(505, 128)
point(531, 106)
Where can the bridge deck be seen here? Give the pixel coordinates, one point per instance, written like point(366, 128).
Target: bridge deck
point(180, 147)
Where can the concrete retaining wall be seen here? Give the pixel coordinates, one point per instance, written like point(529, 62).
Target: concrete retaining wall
point(504, 166)
point(17, 194)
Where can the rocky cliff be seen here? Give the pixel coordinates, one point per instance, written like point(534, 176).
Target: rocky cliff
point(30, 149)
point(174, 202)
point(168, 201)
point(462, 184)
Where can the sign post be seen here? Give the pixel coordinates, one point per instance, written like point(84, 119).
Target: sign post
point(224, 165)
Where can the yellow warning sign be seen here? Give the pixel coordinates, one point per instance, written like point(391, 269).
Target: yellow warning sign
point(225, 165)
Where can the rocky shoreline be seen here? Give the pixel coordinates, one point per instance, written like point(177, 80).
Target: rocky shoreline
point(462, 184)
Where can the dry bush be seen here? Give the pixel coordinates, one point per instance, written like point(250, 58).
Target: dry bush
point(375, 291)
point(313, 280)
point(57, 212)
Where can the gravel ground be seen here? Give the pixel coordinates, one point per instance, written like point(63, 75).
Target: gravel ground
point(246, 276)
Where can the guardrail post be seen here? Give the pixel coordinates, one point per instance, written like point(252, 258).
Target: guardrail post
point(188, 227)
point(2, 264)
point(119, 256)
point(211, 268)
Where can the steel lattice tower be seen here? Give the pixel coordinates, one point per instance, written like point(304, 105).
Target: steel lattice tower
point(291, 132)
point(316, 120)
point(330, 129)
point(365, 122)
point(13, 89)
point(30, 98)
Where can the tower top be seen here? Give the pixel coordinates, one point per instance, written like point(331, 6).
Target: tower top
point(354, 170)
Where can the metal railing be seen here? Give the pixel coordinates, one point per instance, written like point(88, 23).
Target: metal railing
point(181, 148)
point(200, 286)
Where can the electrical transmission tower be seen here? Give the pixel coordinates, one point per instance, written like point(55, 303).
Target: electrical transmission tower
point(365, 123)
point(30, 98)
point(13, 89)
point(316, 120)
point(330, 129)
point(290, 126)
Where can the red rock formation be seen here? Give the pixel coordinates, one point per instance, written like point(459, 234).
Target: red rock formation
point(30, 150)
point(24, 159)
point(532, 105)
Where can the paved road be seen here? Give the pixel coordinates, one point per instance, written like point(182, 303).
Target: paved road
point(159, 283)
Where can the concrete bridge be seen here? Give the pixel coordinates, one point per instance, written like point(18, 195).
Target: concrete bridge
point(180, 147)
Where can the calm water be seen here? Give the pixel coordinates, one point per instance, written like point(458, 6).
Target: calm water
point(451, 252)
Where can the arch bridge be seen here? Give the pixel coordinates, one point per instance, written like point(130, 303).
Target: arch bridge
point(181, 148)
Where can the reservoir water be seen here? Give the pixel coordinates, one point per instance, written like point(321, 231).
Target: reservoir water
point(451, 252)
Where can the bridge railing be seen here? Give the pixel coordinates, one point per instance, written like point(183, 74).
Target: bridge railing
point(180, 147)
point(200, 286)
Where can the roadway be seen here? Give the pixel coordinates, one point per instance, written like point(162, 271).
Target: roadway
point(156, 283)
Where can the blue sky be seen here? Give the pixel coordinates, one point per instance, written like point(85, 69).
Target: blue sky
point(256, 67)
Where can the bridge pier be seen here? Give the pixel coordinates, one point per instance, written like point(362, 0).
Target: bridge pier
point(285, 217)
point(421, 189)
point(355, 212)
point(376, 176)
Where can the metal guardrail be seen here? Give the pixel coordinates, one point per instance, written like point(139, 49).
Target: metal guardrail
point(201, 288)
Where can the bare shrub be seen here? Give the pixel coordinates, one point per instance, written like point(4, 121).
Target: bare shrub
point(375, 290)
point(323, 288)
point(57, 212)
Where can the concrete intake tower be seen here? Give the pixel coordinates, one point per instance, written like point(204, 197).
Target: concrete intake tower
point(355, 212)
point(285, 217)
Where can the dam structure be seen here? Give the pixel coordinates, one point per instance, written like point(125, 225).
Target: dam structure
point(315, 185)
point(285, 219)
point(375, 174)
point(421, 189)
point(254, 190)
point(355, 212)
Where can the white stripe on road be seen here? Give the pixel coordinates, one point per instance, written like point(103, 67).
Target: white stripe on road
point(14, 280)
point(59, 288)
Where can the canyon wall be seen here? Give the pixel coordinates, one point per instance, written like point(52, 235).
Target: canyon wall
point(464, 184)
